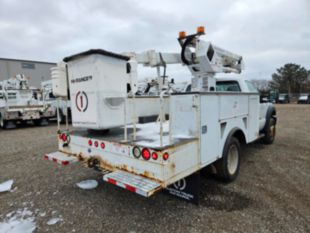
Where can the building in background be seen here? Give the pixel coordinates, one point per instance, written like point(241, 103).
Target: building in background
point(37, 71)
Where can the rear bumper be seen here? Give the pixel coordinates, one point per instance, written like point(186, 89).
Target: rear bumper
point(26, 114)
point(131, 182)
point(104, 153)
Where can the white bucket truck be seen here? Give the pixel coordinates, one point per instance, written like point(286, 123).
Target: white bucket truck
point(206, 126)
point(19, 103)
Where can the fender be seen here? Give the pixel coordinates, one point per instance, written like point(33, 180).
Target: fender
point(234, 132)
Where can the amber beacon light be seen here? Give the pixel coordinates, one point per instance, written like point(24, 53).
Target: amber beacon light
point(201, 29)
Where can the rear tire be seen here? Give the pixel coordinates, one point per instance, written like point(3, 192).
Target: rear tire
point(227, 167)
point(3, 123)
point(270, 131)
point(41, 122)
point(7, 124)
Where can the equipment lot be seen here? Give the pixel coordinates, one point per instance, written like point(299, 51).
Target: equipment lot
point(271, 194)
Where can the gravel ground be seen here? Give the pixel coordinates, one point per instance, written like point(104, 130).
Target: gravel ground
point(271, 194)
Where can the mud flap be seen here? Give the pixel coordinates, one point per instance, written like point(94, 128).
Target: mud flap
point(187, 188)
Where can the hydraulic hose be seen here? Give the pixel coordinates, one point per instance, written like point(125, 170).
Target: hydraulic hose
point(186, 43)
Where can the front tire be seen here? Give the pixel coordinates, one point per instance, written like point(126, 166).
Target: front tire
point(270, 131)
point(227, 167)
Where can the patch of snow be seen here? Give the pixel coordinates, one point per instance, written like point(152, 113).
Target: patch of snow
point(54, 193)
point(20, 221)
point(42, 214)
point(13, 190)
point(15, 225)
point(6, 186)
point(87, 184)
point(149, 134)
point(53, 221)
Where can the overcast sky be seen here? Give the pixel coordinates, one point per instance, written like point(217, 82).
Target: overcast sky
point(267, 33)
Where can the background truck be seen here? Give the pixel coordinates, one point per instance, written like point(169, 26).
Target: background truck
point(283, 98)
point(20, 104)
point(206, 126)
point(304, 99)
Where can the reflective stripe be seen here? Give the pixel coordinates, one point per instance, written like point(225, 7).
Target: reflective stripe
point(60, 158)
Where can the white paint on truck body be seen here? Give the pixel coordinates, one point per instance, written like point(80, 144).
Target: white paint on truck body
point(197, 136)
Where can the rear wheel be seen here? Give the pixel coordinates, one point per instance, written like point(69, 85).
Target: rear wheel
point(41, 122)
point(3, 123)
point(227, 167)
point(7, 124)
point(270, 131)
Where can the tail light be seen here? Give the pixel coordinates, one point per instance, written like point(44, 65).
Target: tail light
point(64, 137)
point(102, 145)
point(165, 156)
point(154, 156)
point(90, 142)
point(146, 154)
point(96, 144)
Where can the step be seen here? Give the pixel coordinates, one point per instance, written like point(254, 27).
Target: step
point(134, 183)
point(60, 158)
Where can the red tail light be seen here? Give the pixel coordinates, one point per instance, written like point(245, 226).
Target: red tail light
point(102, 145)
point(96, 144)
point(146, 154)
point(90, 142)
point(64, 137)
point(166, 156)
point(154, 156)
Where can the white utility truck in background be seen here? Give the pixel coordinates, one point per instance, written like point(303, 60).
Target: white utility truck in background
point(63, 106)
point(192, 130)
point(20, 104)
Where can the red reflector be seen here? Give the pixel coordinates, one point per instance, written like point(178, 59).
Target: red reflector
point(90, 143)
point(166, 156)
point(102, 145)
point(64, 163)
point(146, 154)
point(154, 156)
point(111, 181)
point(130, 188)
point(96, 144)
point(64, 137)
